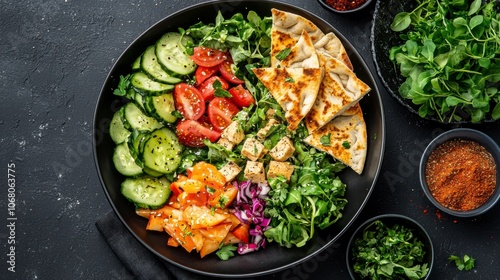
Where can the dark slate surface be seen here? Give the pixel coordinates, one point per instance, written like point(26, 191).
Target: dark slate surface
point(54, 57)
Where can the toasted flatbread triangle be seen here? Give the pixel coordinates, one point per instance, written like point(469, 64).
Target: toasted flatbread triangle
point(287, 29)
point(339, 90)
point(348, 141)
point(302, 55)
point(295, 89)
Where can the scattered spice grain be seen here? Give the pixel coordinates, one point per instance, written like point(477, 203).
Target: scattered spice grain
point(344, 5)
point(461, 174)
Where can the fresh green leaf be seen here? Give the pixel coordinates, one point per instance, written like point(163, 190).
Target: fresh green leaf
point(474, 7)
point(401, 22)
point(462, 263)
point(123, 85)
point(325, 139)
point(289, 80)
point(284, 53)
point(346, 144)
point(225, 252)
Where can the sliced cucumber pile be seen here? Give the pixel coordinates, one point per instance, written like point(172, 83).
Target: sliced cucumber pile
point(147, 149)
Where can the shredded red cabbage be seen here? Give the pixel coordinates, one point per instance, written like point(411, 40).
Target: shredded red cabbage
point(249, 208)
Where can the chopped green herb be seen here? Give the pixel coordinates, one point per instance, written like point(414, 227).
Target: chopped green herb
point(210, 190)
point(219, 91)
point(325, 139)
point(289, 80)
point(283, 54)
point(123, 85)
point(177, 114)
point(389, 253)
point(466, 262)
point(346, 144)
point(375, 136)
point(226, 251)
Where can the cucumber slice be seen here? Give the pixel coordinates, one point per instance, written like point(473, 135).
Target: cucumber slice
point(137, 63)
point(161, 107)
point(124, 162)
point(170, 51)
point(146, 191)
point(150, 65)
point(139, 100)
point(142, 83)
point(135, 119)
point(136, 145)
point(117, 129)
point(162, 151)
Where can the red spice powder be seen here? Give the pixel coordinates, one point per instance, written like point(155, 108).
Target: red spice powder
point(344, 5)
point(461, 174)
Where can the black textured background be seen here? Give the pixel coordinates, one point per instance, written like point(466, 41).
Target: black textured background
point(54, 57)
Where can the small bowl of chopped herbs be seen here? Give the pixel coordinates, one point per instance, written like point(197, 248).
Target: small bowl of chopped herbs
point(344, 6)
point(390, 246)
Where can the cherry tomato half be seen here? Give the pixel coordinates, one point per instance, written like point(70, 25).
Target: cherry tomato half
point(241, 96)
point(208, 57)
point(188, 101)
point(220, 112)
point(227, 73)
point(207, 87)
point(203, 73)
point(192, 133)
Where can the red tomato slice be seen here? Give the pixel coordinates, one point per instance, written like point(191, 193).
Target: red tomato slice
point(227, 73)
point(207, 88)
point(208, 57)
point(220, 112)
point(203, 73)
point(241, 96)
point(192, 133)
point(188, 101)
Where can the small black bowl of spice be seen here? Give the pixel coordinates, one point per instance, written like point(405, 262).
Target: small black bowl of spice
point(459, 172)
point(344, 6)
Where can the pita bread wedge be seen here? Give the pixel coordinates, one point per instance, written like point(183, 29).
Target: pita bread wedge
point(345, 138)
point(295, 89)
point(302, 54)
point(339, 90)
point(287, 29)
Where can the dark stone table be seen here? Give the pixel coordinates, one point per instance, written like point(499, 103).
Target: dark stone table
point(54, 57)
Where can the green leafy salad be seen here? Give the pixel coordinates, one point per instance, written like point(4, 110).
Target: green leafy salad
point(311, 198)
point(450, 59)
point(385, 252)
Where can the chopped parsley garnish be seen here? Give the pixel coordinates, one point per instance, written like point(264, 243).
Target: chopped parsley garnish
point(122, 85)
point(289, 80)
point(325, 139)
point(226, 251)
point(219, 91)
point(466, 262)
point(346, 144)
point(283, 54)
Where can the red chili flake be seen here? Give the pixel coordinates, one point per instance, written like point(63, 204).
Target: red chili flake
point(455, 221)
point(344, 5)
point(438, 214)
point(426, 212)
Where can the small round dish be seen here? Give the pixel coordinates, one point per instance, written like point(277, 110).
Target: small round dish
point(463, 134)
point(331, 9)
point(390, 220)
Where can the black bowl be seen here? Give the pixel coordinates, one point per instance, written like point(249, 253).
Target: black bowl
point(331, 9)
point(274, 257)
point(390, 220)
point(465, 134)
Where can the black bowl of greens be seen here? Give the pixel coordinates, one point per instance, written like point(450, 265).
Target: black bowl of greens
point(442, 73)
point(274, 257)
point(390, 246)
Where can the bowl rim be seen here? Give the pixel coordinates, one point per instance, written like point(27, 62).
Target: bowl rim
point(98, 131)
point(328, 7)
point(417, 225)
point(470, 134)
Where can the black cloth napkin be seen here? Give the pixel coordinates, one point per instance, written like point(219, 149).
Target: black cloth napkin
point(138, 260)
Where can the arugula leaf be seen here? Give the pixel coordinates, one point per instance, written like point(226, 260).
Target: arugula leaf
point(219, 91)
point(225, 252)
point(465, 262)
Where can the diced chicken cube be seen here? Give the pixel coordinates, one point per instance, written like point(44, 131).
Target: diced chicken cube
point(277, 168)
point(254, 171)
point(230, 171)
point(233, 133)
point(263, 131)
point(283, 149)
point(253, 149)
point(226, 143)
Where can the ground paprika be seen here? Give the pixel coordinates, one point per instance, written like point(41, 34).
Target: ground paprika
point(461, 174)
point(344, 5)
